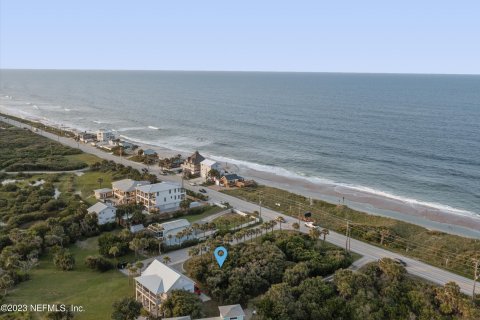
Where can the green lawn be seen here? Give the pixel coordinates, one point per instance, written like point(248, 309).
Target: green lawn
point(93, 290)
point(211, 210)
point(85, 157)
point(88, 182)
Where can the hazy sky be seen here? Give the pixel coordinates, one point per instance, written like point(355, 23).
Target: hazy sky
point(419, 36)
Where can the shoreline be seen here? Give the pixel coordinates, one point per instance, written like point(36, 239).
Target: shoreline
point(374, 204)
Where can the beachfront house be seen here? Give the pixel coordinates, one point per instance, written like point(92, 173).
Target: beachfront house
point(105, 135)
point(125, 190)
point(102, 194)
point(230, 180)
point(163, 196)
point(86, 137)
point(171, 232)
point(230, 312)
point(192, 165)
point(149, 152)
point(207, 165)
point(156, 283)
point(105, 213)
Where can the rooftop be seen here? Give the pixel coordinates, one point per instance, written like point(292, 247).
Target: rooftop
point(103, 190)
point(98, 207)
point(159, 278)
point(180, 223)
point(195, 158)
point(209, 162)
point(233, 310)
point(232, 176)
point(158, 187)
point(127, 185)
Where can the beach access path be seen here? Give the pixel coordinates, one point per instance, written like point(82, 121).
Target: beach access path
point(368, 251)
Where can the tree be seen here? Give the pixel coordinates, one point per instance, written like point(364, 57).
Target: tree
point(325, 232)
point(100, 181)
point(384, 233)
point(184, 204)
point(166, 259)
point(296, 226)
point(182, 303)
point(314, 233)
point(126, 309)
point(64, 260)
point(135, 245)
point(280, 220)
point(6, 283)
point(113, 252)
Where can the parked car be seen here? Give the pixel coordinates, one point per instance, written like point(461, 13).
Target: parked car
point(202, 191)
point(400, 261)
point(311, 225)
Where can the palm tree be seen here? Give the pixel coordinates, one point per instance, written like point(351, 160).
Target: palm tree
point(166, 259)
point(383, 234)
point(100, 181)
point(170, 236)
point(296, 226)
point(272, 224)
point(6, 283)
point(280, 220)
point(325, 232)
point(314, 233)
point(238, 236)
point(113, 252)
point(193, 252)
point(195, 228)
point(265, 226)
point(135, 245)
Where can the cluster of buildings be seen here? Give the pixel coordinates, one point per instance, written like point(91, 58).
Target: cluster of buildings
point(103, 138)
point(157, 282)
point(155, 198)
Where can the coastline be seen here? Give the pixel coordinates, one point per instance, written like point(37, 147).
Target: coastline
point(375, 204)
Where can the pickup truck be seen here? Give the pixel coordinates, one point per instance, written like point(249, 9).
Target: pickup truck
point(311, 225)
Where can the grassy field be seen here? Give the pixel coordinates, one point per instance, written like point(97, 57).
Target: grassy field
point(230, 221)
point(93, 290)
point(447, 251)
point(88, 182)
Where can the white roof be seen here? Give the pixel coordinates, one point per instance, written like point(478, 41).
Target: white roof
point(127, 185)
point(103, 190)
point(208, 162)
point(180, 223)
point(136, 228)
point(98, 207)
point(159, 278)
point(158, 187)
point(233, 310)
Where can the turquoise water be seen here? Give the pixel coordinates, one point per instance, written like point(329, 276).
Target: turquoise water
point(415, 138)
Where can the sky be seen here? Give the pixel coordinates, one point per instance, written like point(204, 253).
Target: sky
point(419, 36)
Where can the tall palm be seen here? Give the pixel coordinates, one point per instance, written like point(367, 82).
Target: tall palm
point(100, 181)
point(314, 233)
point(296, 226)
point(280, 220)
point(166, 259)
point(325, 232)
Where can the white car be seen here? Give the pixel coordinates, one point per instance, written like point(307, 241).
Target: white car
point(311, 225)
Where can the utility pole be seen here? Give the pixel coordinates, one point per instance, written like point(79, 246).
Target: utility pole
point(476, 261)
point(347, 234)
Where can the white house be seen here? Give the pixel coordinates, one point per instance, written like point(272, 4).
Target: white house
point(104, 212)
point(163, 196)
point(104, 193)
point(170, 231)
point(207, 165)
point(105, 135)
point(156, 283)
point(125, 190)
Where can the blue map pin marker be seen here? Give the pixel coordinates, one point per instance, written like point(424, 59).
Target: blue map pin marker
point(220, 254)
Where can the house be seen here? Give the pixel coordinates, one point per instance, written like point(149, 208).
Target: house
point(137, 228)
point(230, 180)
point(149, 152)
point(207, 165)
point(230, 312)
point(163, 196)
point(192, 164)
point(155, 284)
point(104, 212)
point(105, 135)
point(86, 137)
point(124, 190)
point(170, 231)
point(104, 193)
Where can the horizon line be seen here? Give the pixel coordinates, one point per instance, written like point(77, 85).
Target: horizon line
point(244, 71)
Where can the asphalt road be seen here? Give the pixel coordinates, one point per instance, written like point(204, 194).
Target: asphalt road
point(368, 251)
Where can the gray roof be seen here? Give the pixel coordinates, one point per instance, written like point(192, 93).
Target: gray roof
point(103, 190)
point(178, 318)
point(149, 152)
point(233, 310)
point(136, 228)
point(180, 223)
point(232, 176)
point(98, 207)
point(158, 187)
point(195, 158)
point(127, 185)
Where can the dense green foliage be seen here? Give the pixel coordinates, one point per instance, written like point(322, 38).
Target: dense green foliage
point(436, 248)
point(126, 309)
point(23, 150)
point(120, 171)
point(182, 303)
point(381, 291)
point(251, 268)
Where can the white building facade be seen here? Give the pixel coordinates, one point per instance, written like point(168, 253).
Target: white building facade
point(104, 212)
point(207, 165)
point(163, 196)
point(105, 135)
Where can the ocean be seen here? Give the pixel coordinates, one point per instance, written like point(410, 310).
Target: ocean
point(414, 139)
